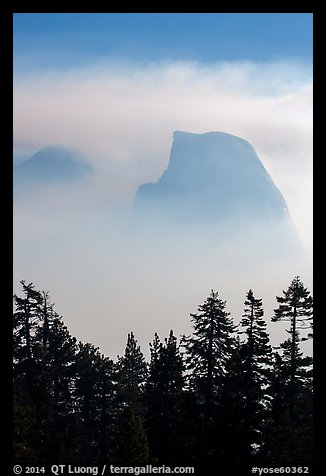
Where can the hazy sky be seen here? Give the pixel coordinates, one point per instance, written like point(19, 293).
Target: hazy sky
point(114, 87)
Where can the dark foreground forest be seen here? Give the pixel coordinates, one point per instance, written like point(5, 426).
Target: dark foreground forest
point(221, 397)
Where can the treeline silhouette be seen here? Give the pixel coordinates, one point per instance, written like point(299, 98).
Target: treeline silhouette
point(221, 397)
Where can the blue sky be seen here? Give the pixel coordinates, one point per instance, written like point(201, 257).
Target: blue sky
point(58, 40)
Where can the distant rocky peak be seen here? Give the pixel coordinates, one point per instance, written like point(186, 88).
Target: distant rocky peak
point(213, 174)
point(51, 165)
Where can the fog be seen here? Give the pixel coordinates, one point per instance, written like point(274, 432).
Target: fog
point(108, 275)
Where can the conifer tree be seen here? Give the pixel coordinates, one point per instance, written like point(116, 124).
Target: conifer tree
point(86, 401)
point(56, 399)
point(154, 369)
point(208, 349)
point(295, 306)
point(253, 376)
point(207, 355)
point(107, 410)
point(43, 375)
point(132, 372)
point(245, 395)
point(26, 319)
point(163, 397)
point(288, 432)
point(288, 429)
point(255, 352)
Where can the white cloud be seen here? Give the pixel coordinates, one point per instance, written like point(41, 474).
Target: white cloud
point(121, 118)
point(123, 115)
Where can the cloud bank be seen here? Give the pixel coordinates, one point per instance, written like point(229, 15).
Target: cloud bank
point(121, 118)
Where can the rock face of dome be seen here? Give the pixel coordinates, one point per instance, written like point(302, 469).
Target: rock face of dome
point(214, 175)
point(216, 180)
